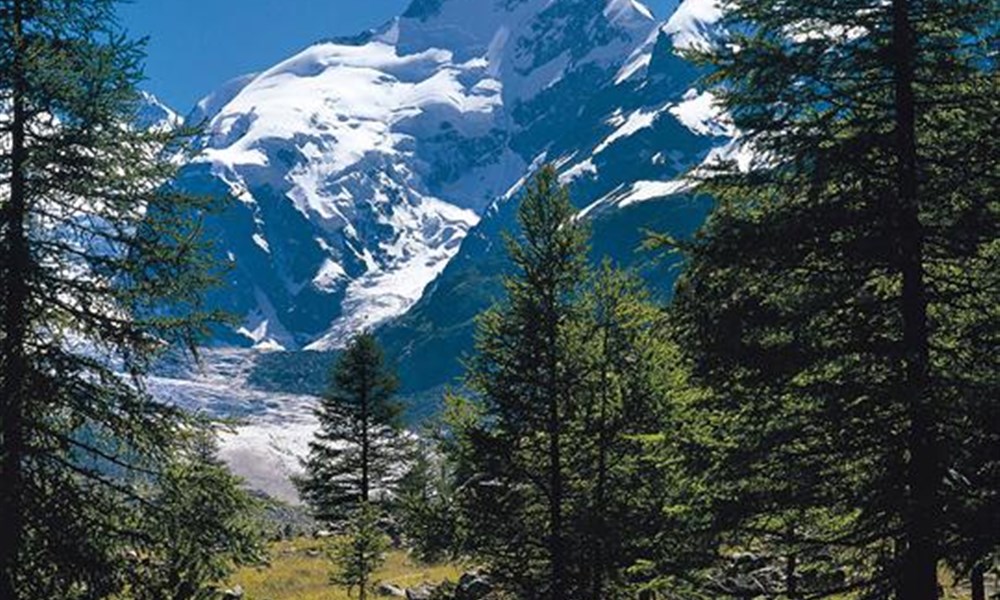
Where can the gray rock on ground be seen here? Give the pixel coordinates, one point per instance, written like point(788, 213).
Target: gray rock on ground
point(421, 592)
point(390, 591)
point(473, 585)
point(234, 593)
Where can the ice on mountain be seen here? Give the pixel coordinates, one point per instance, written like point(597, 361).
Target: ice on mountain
point(692, 26)
point(389, 147)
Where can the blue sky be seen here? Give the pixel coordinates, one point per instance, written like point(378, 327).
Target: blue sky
point(196, 45)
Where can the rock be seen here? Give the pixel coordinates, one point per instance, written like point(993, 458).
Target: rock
point(421, 592)
point(233, 593)
point(473, 585)
point(313, 553)
point(387, 589)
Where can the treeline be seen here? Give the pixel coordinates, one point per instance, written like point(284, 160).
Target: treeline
point(814, 415)
point(104, 491)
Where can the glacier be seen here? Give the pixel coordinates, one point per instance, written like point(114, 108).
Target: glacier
point(369, 179)
point(358, 166)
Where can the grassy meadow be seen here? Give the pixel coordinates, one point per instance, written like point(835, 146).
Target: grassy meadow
point(300, 570)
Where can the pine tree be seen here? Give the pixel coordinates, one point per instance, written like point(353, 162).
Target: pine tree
point(360, 552)
point(100, 268)
point(525, 377)
point(841, 302)
point(359, 448)
point(201, 525)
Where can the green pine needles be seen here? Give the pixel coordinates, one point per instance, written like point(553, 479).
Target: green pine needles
point(356, 456)
point(360, 551)
point(101, 268)
point(841, 303)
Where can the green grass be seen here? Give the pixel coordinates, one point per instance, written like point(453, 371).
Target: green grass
point(297, 573)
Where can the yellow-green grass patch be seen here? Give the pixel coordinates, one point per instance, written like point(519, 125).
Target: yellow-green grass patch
point(300, 570)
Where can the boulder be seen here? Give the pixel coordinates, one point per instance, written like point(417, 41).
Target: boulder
point(473, 585)
point(234, 593)
point(421, 592)
point(389, 590)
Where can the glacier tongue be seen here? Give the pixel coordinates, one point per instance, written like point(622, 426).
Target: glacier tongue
point(359, 166)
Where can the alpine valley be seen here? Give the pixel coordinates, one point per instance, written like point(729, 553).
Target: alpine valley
point(370, 182)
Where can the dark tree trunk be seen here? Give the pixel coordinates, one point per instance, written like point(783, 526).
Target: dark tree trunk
point(557, 558)
point(556, 550)
point(363, 587)
point(365, 441)
point(600, 551)
point(12, 351)
point(918, 576)
point(791, 566)
point(977, 580)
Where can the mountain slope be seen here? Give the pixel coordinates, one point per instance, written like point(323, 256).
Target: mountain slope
point(624, 161)
point(372, 179)
point(359, 166)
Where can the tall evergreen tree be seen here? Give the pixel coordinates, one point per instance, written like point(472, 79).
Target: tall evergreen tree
point(573, 379)
point(630, 376)
point(525, 376)
point(100, 267)
point(201, 524)
point(841, 303)
point(359, 448)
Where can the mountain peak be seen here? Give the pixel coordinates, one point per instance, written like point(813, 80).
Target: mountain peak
point(361, 164)
point(423, 9)
point(693, 25)
point(473, 27)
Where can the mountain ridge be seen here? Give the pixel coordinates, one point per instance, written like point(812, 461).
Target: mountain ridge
point(358, 169)
point(371, 186)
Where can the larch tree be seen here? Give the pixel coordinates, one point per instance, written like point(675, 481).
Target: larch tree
point(101, 265)
point(841, 302)
point(524, 374)
point(359, 450)
point(625, 400)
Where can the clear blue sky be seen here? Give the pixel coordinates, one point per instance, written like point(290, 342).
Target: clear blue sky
point(196, 45)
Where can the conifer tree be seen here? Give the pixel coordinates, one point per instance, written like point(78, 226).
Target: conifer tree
point(841, 302)
point(359, 448)
point(589, 348)
point(426, 506)
point(625, 399)
point(201, 524)
point(525, 376)
point(360, 551)
point(100, 268)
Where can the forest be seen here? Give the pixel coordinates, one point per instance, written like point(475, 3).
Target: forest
point(813, 413)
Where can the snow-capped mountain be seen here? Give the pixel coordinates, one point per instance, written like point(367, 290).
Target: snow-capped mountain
point(372, 177)
point(625, 158)
point(359, 165)
point(153, 114)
